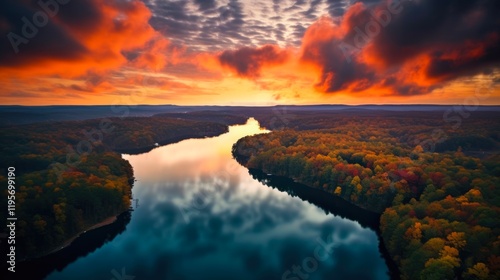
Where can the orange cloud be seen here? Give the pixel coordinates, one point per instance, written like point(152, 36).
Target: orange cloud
point(97, 50)
point(82, 37)
point(367, 52)
point(154, 56)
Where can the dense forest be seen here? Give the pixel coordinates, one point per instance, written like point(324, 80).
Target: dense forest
point(435, 183)
point(70, 175)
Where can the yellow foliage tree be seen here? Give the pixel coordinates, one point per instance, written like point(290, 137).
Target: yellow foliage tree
point(457, 239)
point(449, 251)
point(338, 190)
point(479, 271)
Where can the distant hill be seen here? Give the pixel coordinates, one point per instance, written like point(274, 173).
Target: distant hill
point(13, 115)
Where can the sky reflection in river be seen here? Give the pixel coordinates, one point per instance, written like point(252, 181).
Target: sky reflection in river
point(202, 216)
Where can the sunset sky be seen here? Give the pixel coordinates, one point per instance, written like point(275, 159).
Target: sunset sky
point(249, 52)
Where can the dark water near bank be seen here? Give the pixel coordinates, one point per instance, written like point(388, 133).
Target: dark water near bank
point(201, 215)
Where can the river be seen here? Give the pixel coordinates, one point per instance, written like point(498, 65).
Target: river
point(198, 214)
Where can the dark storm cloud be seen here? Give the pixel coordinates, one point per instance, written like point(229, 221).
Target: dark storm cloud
point(448, 31)
point(451, 38)
point(79, 14)
point(48, 42)
point(337, 72)
point(247, 62)
point(47, 36)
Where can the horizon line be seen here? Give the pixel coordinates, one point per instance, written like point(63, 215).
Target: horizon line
point(254, 105)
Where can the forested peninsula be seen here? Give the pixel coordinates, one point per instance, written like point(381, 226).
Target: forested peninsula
point(434, 183)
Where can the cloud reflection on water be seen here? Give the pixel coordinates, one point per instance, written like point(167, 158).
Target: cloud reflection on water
point(237, 227)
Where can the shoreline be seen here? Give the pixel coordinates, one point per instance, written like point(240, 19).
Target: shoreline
point(242, 160)
point(107, 221)
point(392, 266)
point(111, 219)
point(364, 217)
point(394, 269)
point(166, 142)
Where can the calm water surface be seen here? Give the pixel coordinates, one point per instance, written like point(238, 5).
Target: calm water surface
point(200, 215)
